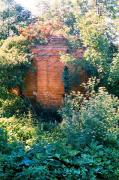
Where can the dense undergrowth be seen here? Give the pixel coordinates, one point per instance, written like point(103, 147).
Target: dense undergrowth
point(84, 146)
point(81, 140)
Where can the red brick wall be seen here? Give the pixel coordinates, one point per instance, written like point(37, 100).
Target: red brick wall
point(46, 84)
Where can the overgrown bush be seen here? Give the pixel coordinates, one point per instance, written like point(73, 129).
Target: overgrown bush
point(113, 80)
point(19, 130)
point(28, 151)
point(14, 61)
point(12, 105)
point(91, 118)
point(59, 161)
point(11, 155)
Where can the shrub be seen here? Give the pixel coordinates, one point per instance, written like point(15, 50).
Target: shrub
point(3, 139)
point(96, 118)
point(48, 159)
point(19, 130)
point(58, 161)
point(14, 61)
point(12, 105)
point(113, 80)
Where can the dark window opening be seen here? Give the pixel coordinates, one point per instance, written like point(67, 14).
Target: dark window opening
point(66, 79)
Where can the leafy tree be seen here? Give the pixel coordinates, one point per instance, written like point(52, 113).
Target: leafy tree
point(100, 49)
point(14, 61)
point(109, 7)
point(12, 16)
point(102, 7)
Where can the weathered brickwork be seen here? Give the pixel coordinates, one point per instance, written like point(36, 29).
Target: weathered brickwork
point(46, 84)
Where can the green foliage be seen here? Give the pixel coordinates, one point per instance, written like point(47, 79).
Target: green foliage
point(72, 70)
point(3, 139)
point(111, 8)
point(70, 21)
point(73, 44)
point(19, 130)
point(113, 79)
point(55, 160)
point(100, 50)
point(92, 29)
point(14, 61)
point(12, 16)
point(12, 105)
point(11, 157)
point(94, 33)
point(96, 118)
point(84, 146)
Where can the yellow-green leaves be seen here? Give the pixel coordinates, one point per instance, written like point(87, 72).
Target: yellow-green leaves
point(91, 27)
point(14, 61)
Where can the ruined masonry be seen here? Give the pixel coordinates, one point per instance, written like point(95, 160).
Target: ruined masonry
point(45, 84)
